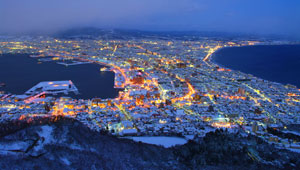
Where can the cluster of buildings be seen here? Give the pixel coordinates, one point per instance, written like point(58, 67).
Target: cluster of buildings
point(170, 87)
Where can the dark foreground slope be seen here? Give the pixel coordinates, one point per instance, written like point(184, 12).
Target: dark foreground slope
point(68, 144)
point(232, 151)
point(71, 145)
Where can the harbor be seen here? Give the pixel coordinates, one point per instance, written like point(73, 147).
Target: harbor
point(19, 77)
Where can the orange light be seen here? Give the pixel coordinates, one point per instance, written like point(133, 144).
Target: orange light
point(22, 117)
point(221, 125)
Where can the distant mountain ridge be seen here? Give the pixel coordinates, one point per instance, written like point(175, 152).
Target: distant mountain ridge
point(129, 34)
point(93, 33)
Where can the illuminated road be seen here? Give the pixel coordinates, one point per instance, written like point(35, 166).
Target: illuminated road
point(211, 51)
point(122, 109)
point(188, 95)
point(264, 97)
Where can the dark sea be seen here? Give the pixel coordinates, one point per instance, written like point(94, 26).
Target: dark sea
point(278, 63)
point(20, 72)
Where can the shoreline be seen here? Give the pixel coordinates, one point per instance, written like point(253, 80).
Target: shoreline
point(73, 96)
point(214, 56)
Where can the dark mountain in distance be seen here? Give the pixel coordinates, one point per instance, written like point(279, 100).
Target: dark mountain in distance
point(129, 34)
point(126, 34)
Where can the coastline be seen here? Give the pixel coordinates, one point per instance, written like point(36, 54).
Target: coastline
point(84, 86)
point(213, 59)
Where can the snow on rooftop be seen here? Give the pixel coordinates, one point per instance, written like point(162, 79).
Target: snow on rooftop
point(48, 86)
point(180, 112)
point(21, 96)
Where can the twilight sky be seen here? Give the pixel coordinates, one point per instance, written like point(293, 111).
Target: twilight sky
point(253, 16)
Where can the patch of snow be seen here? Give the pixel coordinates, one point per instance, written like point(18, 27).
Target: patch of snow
point(14, 146)
point(65, 161)
point(75, 147)
point(292, 132)
point(46, 133)
point(294, 150)
point(164, 141)
point(8, 153)
point(189, 137)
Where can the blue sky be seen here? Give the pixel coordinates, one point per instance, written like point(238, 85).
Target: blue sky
point(253, 16)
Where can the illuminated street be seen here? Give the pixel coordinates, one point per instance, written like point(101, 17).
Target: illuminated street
point(167, 87)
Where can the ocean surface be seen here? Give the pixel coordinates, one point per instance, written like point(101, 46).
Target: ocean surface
point(20, 72)
point(278, 63)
